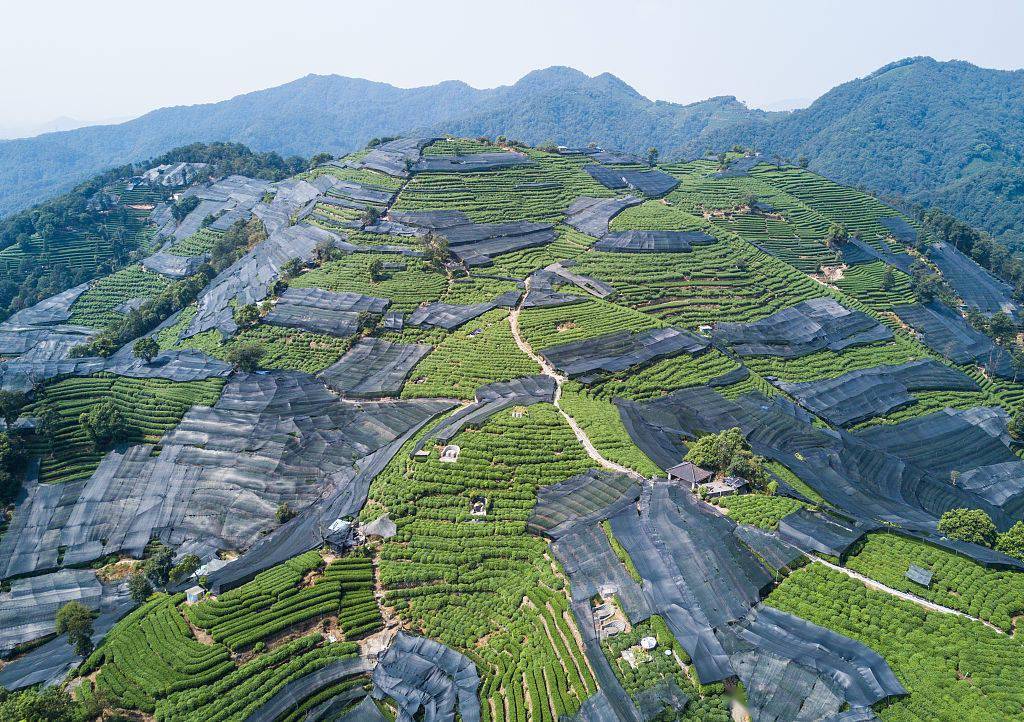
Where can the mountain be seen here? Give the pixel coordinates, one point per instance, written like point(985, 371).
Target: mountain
point(936, 133)
point(338, 115)
point(945, 133)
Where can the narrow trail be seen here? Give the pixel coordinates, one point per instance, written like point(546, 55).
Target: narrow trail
point(906, 596)
point(549, 370)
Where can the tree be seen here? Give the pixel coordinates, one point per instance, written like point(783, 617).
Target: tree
point(139, 587)
point(803, 161)
point(652, 156)
point(772, 488)
point(146, 348)
point(183, 207)
point(836, 235)
point(888, 279)
point(377, 273)
point(1016, 424)
point(245, 356)
point(1002, 327)
point(284, 513)
point(370, 216)
point(75, 620)
point(969, 525)
point(320, 159)
point(436, 248)
point(1011, 542)
point(11, 403)
point(104, 424)
point(365, 321)
point(716, 451)
point(158, 566)
point(51, 704)
point(247, 315)
point(292, 267)
point(184, 569)
point(927, 287)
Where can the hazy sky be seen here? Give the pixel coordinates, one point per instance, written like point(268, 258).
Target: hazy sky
point(111, 59)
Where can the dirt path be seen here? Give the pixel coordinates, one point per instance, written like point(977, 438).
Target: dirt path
point(906, 596)
point(549, 370)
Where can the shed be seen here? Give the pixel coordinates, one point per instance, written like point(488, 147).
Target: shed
point(920, 576)
point(724, 487)
point(689, 474)
point(194, 594)
point(450, 454)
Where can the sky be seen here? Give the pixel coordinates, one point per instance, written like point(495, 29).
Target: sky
point(112, 60)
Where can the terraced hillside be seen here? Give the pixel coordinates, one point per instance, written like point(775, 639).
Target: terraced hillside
point(401, 436)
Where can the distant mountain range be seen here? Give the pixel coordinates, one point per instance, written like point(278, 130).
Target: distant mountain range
point(948, 133)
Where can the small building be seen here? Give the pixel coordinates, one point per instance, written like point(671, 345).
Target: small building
point(648, 643)
point(478, 506)
point(194, 594)
point(338, 533)
point(919, 576)
point(724, 487)
point(689, 475)
point(450, 454)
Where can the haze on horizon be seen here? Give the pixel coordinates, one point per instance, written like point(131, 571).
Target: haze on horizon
point(68, 59)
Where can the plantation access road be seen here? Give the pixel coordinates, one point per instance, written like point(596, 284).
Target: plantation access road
point(548, 370)
point(906, 596)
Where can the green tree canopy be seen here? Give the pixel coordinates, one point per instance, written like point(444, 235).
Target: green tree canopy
point(969, 525)
point(104, 424)
point(75, 620)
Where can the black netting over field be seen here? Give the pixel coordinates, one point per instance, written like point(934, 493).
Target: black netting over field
point(173, 266)
point(450, 316)
point(177, 365)
point(374, 367)
point(592, 215)
point(419, 673)
point(29, 608)
point(795, 670)
point(741, 166)
point(475, 243)
point(38, 333)
point(315, 309)
point(235, 194)
point(491, 399)
point(649, 182)
point(866, 393)
point(593, 568)
point(292, 694)
point(249, 279)
point(945, 331)
point(772, 550)
point(856, 251)
point(395, 157)
point(809, 326)
point(868, 480)
point(292, 196)
point(593, 359)
point(582, 499)
point(593, 286)
point(542, 294)
point(653, 241)
point(696, 573)
point(53, 310)
point(357, 196)
point(978, 288)
point(900, 229)
point(471, 163)
point(220, 475)
point(819, 532)
point(614, 157)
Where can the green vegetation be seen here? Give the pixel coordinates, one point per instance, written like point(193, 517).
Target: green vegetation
point(282, 348)
point(706, 702)
point(866, 283)
point(969, 525)
point(759, 510)
point(957, 582)
point(664, 377)
point(407, 289)
point(955, 669)
point(96, 307)
point(482, 584)
point(729, 453)
point(284, 597)
point(481, 352)
point(148, 408)
point(200, 242)
point(600, 420)
point(542, 327)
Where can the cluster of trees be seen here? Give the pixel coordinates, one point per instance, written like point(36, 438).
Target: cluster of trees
point(976, 527)
point(436, 248)
point(990, 253)
point(159, 570)
point(235, 241)
point(729, 453)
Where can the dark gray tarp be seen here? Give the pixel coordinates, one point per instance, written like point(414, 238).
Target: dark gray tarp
point(295, 692)
point(653, 241)
point(978, 288)
point(450, 316)
point(592, 215)
point(818, 532)
point(649, 182)
point(472, 162)
point(373, 368)
point(320, 311)
point(866, 393)
point(900, 229)
point(421, 674)
point(945, 331)
point(809, 326)
point(596, 358)
point(582, 499)
point(475, 243)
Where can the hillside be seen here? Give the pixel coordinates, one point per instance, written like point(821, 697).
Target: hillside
point(404, 430)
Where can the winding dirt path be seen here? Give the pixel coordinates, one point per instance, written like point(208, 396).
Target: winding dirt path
point(549, 370)
point(906, 596)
